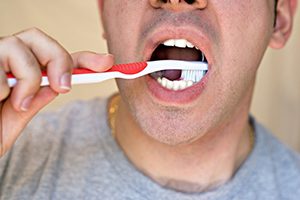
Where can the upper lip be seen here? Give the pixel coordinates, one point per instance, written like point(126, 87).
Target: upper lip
point(195, 36)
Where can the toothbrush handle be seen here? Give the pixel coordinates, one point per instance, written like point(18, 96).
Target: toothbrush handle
point(82, 75)
point(130, 68)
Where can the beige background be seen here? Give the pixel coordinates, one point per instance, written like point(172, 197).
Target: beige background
point(75, 24)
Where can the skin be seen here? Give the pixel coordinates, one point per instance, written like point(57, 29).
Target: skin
point(197, 145)
point(25, 54)
point(189, 146)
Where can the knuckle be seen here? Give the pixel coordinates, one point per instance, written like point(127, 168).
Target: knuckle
point(31, 62)
point(35, 31)
point(64, 58)
point(10, 40)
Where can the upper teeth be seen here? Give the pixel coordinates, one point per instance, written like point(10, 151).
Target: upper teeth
point(181, 43)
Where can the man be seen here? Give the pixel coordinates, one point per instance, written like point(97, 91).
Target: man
point(195, 142)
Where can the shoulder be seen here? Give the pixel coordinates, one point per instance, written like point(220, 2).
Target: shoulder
point(69, 142)
point(282, 162)
point(74, 123)
point(278, 151)
point(77, 123)
point(72, 128)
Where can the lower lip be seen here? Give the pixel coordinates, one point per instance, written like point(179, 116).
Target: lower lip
point(185, 96)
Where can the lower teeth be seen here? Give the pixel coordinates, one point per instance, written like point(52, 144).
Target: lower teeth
point(174, 85)
point(188, 79)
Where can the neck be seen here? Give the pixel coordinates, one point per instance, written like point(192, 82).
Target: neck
point(203, 164)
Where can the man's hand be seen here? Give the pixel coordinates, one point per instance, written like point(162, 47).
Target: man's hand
point(25, 54)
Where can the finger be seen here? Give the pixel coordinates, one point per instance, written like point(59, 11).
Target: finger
point(4, 88)
point(93, 61)
point(51, 55)
point(14, 122)
point(18, 59)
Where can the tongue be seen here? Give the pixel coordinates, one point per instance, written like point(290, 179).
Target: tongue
point(172, 75)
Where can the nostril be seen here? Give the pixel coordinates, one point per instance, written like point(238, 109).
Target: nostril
point(190, 1)
point(187, 1)
point(179, 4)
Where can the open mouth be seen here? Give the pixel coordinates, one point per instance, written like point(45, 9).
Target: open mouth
point(178, 49)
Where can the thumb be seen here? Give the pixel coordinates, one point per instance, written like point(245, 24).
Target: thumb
point(93, 61)
point(13, 122)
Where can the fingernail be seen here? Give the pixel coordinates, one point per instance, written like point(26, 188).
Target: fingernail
point(26, 103)
point(65, 81)
point(109, 55)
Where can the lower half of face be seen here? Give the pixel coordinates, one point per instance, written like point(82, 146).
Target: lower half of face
point(176, 107)
point(173, 122)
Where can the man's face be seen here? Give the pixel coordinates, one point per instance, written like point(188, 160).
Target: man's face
point(232, 34)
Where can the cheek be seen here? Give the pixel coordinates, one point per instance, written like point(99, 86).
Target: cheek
point(248, 28)
point(122, 20)
point(133, 92)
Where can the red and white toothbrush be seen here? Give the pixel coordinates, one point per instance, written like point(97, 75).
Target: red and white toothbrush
point(124, 71)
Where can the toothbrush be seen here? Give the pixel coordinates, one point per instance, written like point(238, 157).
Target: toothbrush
point(124, 71)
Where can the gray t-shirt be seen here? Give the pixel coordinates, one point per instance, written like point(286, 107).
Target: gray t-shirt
point(70, 154)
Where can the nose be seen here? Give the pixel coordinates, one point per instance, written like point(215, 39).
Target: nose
point(179, 5)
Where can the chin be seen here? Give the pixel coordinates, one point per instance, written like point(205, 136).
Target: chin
point(170, 127)
point(171, 135)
